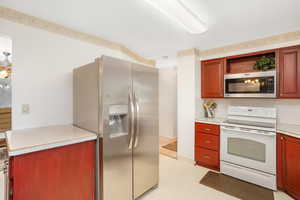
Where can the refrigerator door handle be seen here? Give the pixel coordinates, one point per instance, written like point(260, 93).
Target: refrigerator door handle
point(137, 121)
point(131, 118)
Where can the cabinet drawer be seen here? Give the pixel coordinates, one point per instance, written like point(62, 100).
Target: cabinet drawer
point(207, 128)
point(207, 157)
point(207, 141)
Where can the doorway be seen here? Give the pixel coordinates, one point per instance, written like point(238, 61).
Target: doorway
point(168, 111)
point(5, 83)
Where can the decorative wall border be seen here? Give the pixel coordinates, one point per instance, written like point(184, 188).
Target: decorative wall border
point(276, 39)
point(272, 40)
point(25, 19)
point(188, 52)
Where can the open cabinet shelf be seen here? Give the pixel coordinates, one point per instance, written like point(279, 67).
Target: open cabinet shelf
point(244, 63)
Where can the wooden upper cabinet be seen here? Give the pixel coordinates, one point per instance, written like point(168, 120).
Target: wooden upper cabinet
point(289, 72)
point(212, 78)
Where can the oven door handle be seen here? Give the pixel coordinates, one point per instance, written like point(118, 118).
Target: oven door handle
point(245, 131)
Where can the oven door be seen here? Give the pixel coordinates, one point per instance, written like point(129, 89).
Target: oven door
point(258, 84)
point(249, 148)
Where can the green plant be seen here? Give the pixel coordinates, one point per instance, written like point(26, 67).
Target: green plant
point(265, 63)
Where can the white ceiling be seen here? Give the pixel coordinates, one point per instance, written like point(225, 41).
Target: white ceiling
point(146, 31)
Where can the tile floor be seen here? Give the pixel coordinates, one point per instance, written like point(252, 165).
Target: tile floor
point(179, 180)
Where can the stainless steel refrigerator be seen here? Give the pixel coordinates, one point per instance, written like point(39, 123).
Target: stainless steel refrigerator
point(118, 100)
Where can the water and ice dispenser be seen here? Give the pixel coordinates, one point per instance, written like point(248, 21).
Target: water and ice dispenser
point(118, 116)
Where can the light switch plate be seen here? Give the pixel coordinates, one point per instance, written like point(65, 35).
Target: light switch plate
point(25, 109)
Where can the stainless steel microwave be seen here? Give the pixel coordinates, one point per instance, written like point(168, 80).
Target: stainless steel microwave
point(252, 85)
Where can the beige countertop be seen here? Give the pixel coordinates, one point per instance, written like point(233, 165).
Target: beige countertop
point(287, 129)
point(216, 121)
point(37, 139)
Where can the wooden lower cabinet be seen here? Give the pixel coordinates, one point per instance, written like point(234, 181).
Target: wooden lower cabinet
point(207, 145)
point(288, 165)
point(61, 173)
point(207, 158)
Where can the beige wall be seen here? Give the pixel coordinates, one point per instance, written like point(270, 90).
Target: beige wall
point(168, 102)
point(43, 64)
point(187, 66)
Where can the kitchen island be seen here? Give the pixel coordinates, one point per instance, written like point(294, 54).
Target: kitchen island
point(56, 162)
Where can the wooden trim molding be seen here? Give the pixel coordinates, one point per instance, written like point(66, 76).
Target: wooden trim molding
point(276, 39)
point(188, 52)
point(272, 40)
point(25, 19)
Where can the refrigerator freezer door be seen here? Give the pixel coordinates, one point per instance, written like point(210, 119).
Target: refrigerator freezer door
point(146, 144)
point(115, 114)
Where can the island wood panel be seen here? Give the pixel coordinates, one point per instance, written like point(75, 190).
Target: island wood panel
point(61, 173)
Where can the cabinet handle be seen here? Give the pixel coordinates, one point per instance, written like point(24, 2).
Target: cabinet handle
point(207, 141)
point(206, 157)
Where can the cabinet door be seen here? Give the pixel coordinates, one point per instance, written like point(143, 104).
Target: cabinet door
point(212, 78)
point(61, 173)
point(291, 166)
point(289, 70)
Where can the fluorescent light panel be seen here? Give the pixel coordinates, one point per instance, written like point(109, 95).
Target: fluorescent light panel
point(178, 12)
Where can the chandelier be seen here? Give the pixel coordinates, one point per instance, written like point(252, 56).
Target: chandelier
point(5, 66)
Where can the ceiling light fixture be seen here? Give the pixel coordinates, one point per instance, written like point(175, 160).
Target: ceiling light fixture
point(178, 12)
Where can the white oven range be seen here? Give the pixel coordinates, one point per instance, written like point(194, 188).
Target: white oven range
point(248, 145)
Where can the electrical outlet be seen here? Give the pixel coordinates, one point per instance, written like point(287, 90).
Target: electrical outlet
point(25, 109)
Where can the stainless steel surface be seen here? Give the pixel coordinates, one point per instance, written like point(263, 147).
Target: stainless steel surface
point(5, 92)
point(250, 75)
point(131, 114)
point(271, 73)
point(86, 100)
point(117, 157)
point(119, 101)
point(261, 95)
point(137, 122)
point(146, 151)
